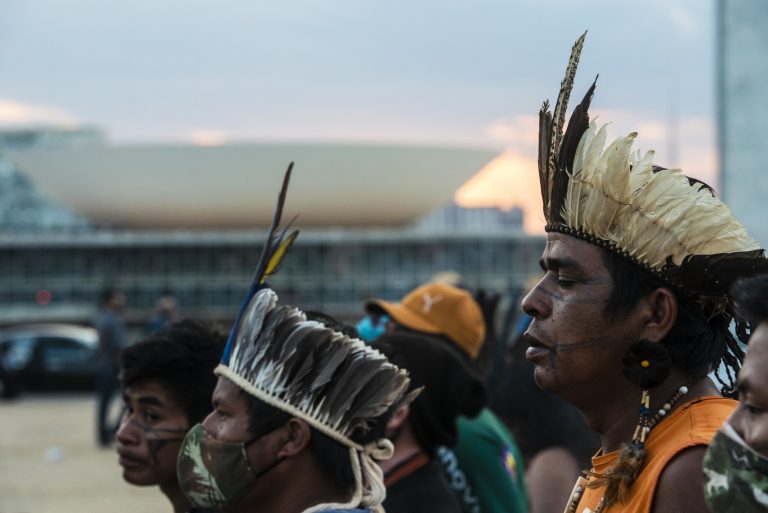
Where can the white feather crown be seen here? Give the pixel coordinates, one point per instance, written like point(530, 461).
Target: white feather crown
point(338, 384)
point(661, 220)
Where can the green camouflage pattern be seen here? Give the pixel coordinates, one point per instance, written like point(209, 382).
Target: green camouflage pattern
point(735, 476)
point(212, 474)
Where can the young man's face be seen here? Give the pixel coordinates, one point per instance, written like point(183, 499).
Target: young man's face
point(229, 422)
point(575, 347)
point(151, 431)
point(750, 419)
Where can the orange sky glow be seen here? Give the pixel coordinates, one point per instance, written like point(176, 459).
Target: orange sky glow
point(509, 180)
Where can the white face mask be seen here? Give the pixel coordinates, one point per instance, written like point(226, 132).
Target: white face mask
point(735, 475)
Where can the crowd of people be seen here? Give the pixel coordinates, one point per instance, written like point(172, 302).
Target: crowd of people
point(627, 364)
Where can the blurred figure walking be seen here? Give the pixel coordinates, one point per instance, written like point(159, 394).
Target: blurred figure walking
point(111, 328)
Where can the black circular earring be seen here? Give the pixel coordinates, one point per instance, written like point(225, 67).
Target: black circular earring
point(647, 364)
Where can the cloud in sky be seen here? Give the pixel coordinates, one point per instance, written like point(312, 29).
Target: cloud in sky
point(206, 137)
point(520, 132)
point(150, 70)
point(447, 73)
point(14, 113)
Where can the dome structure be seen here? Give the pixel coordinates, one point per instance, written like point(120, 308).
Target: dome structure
point(234, 186)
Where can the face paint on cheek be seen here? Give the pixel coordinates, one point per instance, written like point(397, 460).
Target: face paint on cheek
point(578, 346)
point(156, 445)
point(557, 349)
point(591, 296)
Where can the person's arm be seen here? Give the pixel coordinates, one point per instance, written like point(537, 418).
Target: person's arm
point(681, 485)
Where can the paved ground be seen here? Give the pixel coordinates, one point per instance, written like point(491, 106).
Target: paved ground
point(49, 462)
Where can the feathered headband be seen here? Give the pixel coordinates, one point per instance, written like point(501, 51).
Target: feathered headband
point(337, 384)
point(661, 220)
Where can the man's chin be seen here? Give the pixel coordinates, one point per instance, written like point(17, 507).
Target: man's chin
point(138, 478)
point(543, 378)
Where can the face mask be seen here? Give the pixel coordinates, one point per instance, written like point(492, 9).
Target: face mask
point(735, 475)
point(214, 474)
point(369, 328)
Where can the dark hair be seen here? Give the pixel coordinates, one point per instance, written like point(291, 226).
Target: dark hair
point(332, 456)
point(696, 344)
point(750, 297)
point(107, 294)
point(332, 323)
point(182, 357)
point(451, 387)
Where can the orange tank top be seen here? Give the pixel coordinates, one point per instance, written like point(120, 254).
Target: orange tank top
point(692, 423)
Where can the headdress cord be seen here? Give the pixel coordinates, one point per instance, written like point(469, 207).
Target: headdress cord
point(370, 491)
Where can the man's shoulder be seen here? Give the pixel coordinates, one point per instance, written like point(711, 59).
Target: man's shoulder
point(681, 484)
point(485, 425)
point(672, 473)
point(695, 423)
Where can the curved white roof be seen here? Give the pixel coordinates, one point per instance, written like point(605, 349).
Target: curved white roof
point(236, 185)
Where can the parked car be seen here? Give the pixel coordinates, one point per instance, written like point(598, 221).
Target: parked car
point(48, 357)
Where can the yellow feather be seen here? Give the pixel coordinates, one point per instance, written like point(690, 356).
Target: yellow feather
point(277, 256)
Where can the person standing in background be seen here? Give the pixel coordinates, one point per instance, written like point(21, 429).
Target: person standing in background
point(111, 329)
point(484, 468)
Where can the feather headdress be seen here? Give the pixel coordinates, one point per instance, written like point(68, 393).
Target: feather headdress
point(337, 384)
point(663, 221)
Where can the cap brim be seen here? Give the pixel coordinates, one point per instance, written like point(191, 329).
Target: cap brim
point(401, 316)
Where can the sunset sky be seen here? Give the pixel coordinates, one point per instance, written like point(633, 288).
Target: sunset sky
point(437, 73)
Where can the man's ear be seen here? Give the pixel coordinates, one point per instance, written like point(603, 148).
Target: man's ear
point(661, 308)
point(295, 436)
point(398, 419)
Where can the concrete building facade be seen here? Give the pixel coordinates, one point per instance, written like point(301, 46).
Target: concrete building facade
point(742, 43)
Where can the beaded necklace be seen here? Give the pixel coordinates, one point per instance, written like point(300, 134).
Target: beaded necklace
point(644, 427)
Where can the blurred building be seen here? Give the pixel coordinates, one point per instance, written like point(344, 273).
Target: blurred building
point(743, 110)
point(382, 224)
point(23, 209)
point(209, 272)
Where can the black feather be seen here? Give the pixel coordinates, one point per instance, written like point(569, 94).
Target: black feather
point(273, 240)
point(545, 136)
point(270, 246)
point(577, 125)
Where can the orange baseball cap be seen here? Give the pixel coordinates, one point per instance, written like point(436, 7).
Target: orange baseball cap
point(438, 309)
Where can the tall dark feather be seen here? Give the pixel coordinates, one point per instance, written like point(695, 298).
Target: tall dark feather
point(561, 105)
point(577, 125)
point(273, 251)
point(551, 137)
point(273, 240)
point(545, 135)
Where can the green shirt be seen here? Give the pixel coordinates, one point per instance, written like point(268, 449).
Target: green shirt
point(485, 468)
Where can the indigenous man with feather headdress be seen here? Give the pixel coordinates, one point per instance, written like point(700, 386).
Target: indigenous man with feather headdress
point(633, 311)
point(299, 411)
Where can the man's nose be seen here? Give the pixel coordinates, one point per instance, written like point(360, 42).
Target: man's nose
point(127, 432)
point(536, 302)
